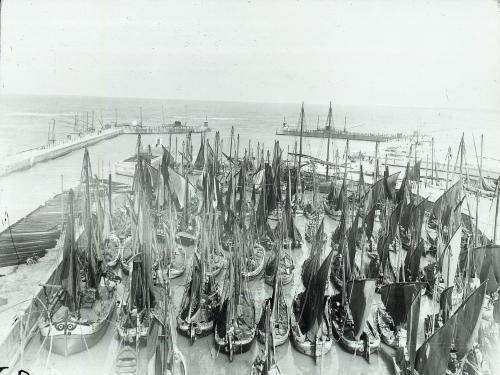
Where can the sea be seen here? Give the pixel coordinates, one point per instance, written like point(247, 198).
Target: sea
point(25, 122)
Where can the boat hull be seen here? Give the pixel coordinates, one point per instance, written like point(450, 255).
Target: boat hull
point(67, 338)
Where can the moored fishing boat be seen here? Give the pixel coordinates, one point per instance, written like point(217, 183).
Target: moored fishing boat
point(80, 310)
point(279, 310)
point(391, 316)
point(199, 303)
point(351, 326)
point(234, 327)
point(165, 358)
point(310, 324)
point(265, 363)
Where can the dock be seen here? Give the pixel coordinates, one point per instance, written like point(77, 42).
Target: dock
point(27, 159)
point(338, 134)
point(164, 129)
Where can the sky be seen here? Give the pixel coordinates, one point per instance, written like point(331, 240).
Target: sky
point(435, 53)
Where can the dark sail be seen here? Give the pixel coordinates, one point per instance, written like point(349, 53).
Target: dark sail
point(339, 232)
point(200, 158)
point(70, 278)
point(351, 241)
point(412, 320)
point(342, 197)
point(468, 318)
point(417, 220)
point(487, 265)
point(369, 221)
point(445, 303)
point(361, 294)
point(381, 190)
point(432, 357)
point(92, 275)
point(313, 303)
point(445, 204)
point(412, 261)
point(397, 298)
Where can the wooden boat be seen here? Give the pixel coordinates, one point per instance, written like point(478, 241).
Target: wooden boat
point(255, 261)
point(199, 303)
point(350, 318)
point(391, 317)
point(81, 309)
point(234, 329)
point(286, 267)
point(310, 324)
point(135, 313)
point(265, 363)
point(278, 308)
point(448, 348)
point(165, 358)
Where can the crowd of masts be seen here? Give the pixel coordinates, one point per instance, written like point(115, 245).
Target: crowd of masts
point(237, 214)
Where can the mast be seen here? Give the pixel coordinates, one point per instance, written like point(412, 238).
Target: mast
point(432, 161)
point(496, 213)
point(329, 133)
point(300, 146)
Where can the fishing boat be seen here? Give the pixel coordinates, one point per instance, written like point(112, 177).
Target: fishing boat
point(165, 358)
point(390, 317)
point(279, 310)
point(265, 363)
point(80, 309)
point(313, 209)
point(135, 313)
point(349, 314)
point(199, 302)
point(310, 323)
point(187, 229)
point(235, 323)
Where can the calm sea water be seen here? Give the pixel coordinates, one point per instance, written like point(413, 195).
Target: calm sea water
point(24, 124)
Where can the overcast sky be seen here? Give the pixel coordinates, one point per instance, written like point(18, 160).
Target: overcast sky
point(382, 52)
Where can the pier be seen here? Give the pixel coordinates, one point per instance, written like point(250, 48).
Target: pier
point(337, 134)
point(27, 159)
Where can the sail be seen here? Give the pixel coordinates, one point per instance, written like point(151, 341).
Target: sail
point(412, 320)
point(339, 233)
point(342, 197)
point(468, 318)
point(397, 299)
point(313, 303)
point(417, 220)
point(368, 222)
point(413, 260)
point(361, 294)
point(432, 357)
point(70, 278)
point(444, 205)
point(92, 252)
point(332, 194)
point(351, 241)
point(390, 234)
point(487, 265)
point(380, 191)
point(449, 258)
point(200, 158)
point(194, 300)
point(445, 303)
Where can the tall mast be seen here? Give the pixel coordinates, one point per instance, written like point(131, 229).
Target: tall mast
point(496, 213)
point(329, 133)
point(300, 146)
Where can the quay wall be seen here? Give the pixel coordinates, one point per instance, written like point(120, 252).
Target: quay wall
point(25, 160)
